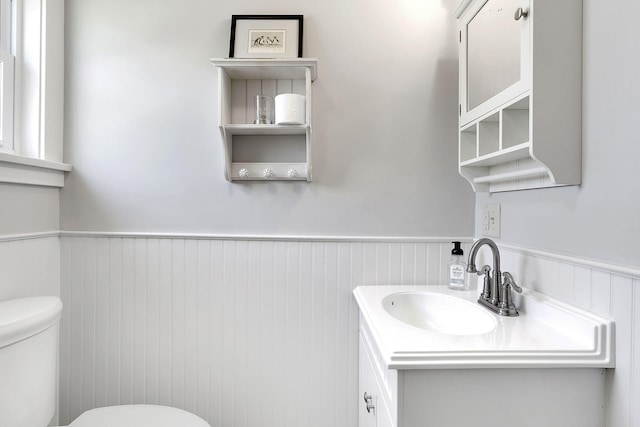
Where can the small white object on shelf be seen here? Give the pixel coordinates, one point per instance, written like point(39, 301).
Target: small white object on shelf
point(290, 109)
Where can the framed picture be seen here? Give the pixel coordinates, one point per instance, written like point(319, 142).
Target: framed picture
point(266, 36)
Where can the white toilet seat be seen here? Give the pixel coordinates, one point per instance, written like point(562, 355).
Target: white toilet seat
point(138, 416)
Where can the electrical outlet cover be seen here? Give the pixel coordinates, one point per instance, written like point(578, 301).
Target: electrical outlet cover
point(491, 221)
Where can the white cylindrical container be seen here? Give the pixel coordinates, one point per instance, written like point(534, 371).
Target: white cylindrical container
point(290, 109)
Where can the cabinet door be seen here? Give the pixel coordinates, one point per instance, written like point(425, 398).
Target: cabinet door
point(367, 387)
point(372, 412)
point(494, 55)
point(383, 418)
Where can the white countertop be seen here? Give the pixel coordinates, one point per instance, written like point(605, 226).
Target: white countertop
point(547, 334)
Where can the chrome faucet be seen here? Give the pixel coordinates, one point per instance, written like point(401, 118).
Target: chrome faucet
point(496, 292)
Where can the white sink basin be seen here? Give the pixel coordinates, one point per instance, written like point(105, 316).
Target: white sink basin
point(439, 313)
point(432, 327)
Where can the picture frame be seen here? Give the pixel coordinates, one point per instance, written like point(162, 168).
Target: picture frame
point(266, 36)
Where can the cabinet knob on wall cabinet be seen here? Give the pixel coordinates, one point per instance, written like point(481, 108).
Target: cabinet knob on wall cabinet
point(244, 173)
point(268, 173)
point(520, 13)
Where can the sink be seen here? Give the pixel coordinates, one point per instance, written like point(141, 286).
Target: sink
point(440, 313)
point(434, 327)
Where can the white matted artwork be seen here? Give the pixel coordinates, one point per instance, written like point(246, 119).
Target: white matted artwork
point(266, 36)
point(267, 41)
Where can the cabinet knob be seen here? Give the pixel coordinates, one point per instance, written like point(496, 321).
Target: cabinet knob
point(292, 173)
point(368, 400)
point(268, 173)
point(520, 13)
point(244, 173)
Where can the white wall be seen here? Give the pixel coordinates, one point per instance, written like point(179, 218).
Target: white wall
point(29, 243)
point(600, 219)
point(28, 209)
point(142, 136)
point(29, 266)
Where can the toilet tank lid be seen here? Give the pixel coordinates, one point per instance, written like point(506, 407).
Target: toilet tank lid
point(138, 416)
point(24, 317)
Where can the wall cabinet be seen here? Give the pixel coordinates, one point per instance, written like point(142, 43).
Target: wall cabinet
point(520, 93)
point(263, 151)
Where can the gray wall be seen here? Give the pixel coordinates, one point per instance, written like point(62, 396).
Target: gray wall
point(600, 219)
point(142, 136)
point(141, 122)
point(28, 209)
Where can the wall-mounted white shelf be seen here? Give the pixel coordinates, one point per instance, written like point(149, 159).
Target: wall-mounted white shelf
point(250, 129)
point(263, 152)
point(522, 128)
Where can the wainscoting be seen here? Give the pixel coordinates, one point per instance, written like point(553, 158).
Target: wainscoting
point(242, 333)
point(607, 290)
point(262, 333)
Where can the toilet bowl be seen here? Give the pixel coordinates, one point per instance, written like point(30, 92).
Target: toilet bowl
point(28, 368)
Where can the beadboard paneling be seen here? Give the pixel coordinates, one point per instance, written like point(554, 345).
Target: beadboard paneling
point(242, 333)
point(243, 93)
point(608, 291)
point(264, 333)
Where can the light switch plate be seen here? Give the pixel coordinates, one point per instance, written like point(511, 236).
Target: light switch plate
point(491, 221)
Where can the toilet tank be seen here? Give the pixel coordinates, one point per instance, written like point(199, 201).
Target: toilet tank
point(28, 360)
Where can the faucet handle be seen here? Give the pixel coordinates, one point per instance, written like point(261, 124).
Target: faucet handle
point(484, 270)
point(509, 280)
point(486, 286)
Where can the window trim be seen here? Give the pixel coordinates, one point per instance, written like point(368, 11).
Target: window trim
point(17, 169)
point(7, 79)
point(7, 82)
point(39, 96)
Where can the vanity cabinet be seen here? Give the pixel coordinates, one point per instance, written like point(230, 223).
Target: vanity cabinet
point(263, 151)
point(429, 396)
point(520, 93)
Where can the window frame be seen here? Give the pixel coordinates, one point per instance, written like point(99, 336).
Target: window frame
point(36, 157)
point(7, 80)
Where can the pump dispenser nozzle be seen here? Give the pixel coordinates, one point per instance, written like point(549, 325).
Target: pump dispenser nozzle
point(457, 250)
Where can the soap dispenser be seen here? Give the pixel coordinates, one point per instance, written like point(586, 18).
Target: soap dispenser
point(457, 269)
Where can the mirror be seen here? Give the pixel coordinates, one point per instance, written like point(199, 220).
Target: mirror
point(493, 51)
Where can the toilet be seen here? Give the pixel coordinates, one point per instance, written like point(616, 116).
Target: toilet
point(28, 369)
